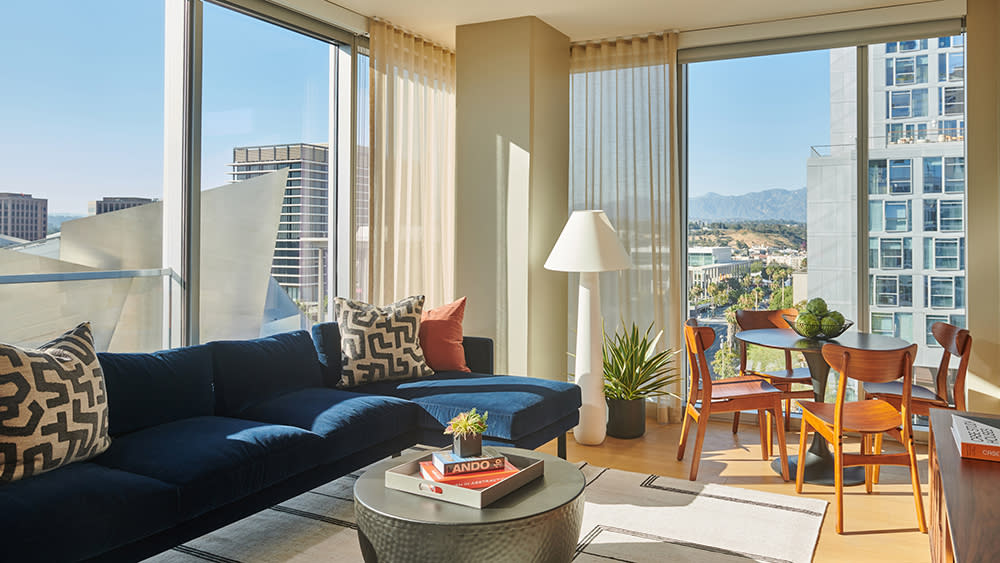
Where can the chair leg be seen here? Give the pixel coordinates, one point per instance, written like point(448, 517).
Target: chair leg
point(765, 433)
point(878, 450)
point(838, 480)
point(788, 414)
point(782, 446)
point(770, 435)
point(736, 422)
point(867, 445)
point(915, 479)
point(685, 426)
point(698, 442)
point(800, 467)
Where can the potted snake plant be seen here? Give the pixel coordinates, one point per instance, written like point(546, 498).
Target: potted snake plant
point(633, 372)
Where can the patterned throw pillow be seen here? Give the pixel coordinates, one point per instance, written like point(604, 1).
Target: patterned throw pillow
point(53, 407)
point(380, 343)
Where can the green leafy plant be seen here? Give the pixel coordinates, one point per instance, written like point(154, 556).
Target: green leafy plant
point(467, 424)
point(633, 369)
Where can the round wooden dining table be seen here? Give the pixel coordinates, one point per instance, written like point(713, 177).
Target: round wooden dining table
point(819, 459)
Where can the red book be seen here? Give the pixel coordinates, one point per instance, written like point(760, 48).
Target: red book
point(479, 480)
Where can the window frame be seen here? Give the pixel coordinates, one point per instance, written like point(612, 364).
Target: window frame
point(905, 205)
point(937, 243)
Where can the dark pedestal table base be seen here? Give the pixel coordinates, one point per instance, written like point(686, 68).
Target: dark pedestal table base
point(819, 470)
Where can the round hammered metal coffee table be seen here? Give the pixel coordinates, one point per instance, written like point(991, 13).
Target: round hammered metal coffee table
point(538, 522)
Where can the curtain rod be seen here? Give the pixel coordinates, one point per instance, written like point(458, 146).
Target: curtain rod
point(414, 34)
point(623, 37)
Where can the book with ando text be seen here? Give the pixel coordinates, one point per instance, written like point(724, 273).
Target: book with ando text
point(976, 439)
point(448, 463)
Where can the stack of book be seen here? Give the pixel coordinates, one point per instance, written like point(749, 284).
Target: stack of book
point(470, 472)
point(976, 439)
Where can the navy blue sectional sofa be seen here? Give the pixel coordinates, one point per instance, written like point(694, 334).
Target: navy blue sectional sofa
point(205, 435)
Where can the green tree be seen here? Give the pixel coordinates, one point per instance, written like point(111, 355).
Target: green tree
point(726, 362)
point(782, 298)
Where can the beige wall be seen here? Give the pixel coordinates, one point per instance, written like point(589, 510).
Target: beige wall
point(983, 169)
point(512, 139)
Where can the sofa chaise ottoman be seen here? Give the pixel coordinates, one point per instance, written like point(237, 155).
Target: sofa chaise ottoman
point(524, 412)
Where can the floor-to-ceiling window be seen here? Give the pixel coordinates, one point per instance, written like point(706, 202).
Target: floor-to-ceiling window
point(98, 118)
point(265, 170)
point(81, 149)
point(748, 116)
point(771, 191)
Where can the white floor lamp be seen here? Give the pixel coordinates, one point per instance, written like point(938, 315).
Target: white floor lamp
point(588, 244)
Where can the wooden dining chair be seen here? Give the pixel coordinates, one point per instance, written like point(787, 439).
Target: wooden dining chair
point(725, 395)
point(781, 379)
point(869, 417)
point(956, 342)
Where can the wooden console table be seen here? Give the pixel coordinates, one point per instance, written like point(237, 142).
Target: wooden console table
point(965, 498)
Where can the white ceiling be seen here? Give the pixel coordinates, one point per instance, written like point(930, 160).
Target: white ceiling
point(596, 19)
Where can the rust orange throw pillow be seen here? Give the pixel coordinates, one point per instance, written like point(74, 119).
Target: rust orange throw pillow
point(441, 337)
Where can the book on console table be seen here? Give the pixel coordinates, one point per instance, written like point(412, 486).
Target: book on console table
point(976, 439)
point(477, 480)
point(448, 463)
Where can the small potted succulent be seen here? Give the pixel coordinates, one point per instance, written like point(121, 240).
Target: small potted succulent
point(467, 429)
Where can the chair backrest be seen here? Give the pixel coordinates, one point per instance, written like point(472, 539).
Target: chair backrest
point(956, 342)
point(697, 339)
point(750, 320)
point(871, 366)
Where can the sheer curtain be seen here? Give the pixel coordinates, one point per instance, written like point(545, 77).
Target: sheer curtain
point(624, 160)
point(412, 205)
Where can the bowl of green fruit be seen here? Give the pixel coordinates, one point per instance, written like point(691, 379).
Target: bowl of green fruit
point(815, 320)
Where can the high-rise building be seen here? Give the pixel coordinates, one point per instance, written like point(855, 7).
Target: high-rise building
point(109, 204)
point(23, 216)
point(298, 264)
point(916, 190)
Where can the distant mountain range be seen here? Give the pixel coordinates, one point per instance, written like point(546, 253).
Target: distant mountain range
point(775, 204)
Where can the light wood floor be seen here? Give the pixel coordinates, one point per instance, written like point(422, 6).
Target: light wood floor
point(878, 527)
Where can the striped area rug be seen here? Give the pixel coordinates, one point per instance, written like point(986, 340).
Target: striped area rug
point(628, 517)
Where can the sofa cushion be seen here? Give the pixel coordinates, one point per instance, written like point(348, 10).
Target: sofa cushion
point(54, 406)
point(380, 343)
point(518, 406)
point(214, 460)
point(326, 339)
point(250, 371)
point(441, 337)
point(348, 421)
point(81, 510)
point(149, 389)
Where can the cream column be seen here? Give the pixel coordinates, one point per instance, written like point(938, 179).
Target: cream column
point(512, 166)
point(983, 202)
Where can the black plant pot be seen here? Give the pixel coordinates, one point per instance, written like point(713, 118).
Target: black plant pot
point(626, 418)
point(469, 446)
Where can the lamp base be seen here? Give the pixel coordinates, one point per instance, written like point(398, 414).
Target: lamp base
point(592, 428)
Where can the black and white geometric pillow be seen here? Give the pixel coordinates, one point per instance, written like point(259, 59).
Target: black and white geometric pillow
point(380, 343)
point(53, 407)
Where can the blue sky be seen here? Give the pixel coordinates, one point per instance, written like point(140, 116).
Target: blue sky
point(81, 107)
point(752, 121)
point(81, 104)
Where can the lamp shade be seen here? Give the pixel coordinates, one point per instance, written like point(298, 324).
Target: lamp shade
point(588, 243)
